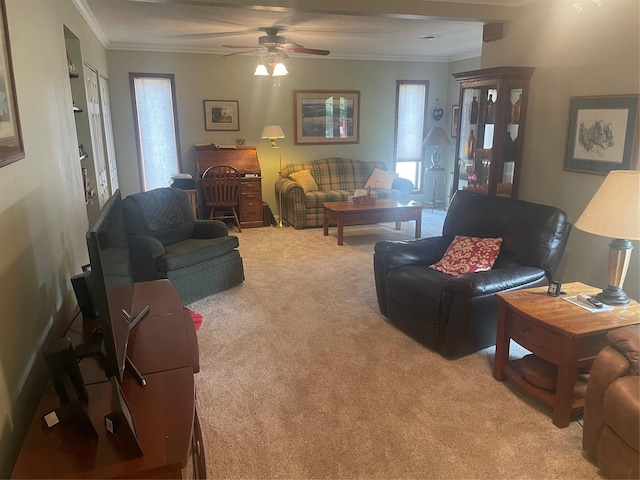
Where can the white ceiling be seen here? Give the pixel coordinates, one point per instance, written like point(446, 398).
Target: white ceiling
point(358, 29)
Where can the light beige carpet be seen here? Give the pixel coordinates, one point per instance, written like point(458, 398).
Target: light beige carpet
point(302, 377)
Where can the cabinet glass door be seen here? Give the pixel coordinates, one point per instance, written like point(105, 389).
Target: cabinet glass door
point(477, 127)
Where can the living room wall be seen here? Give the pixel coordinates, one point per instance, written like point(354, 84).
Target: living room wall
point(42, 212)
point(201, 77)
point(595, 52)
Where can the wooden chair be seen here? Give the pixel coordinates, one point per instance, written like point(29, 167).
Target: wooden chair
point(220, 187)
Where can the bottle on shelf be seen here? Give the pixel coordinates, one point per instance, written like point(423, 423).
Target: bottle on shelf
point(488, 110)
point(474, 111)
point(470, 145)
point(515, 110)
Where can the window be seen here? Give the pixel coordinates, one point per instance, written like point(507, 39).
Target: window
point(155, 114)
point(411, 111)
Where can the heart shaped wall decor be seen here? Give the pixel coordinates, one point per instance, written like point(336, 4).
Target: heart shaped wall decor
point(437, 113)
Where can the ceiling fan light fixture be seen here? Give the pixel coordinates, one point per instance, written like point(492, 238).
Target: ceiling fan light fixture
point(261, 71)
point(280, 70)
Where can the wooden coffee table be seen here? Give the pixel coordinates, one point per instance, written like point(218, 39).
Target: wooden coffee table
point(559, 332)
point(390, 210)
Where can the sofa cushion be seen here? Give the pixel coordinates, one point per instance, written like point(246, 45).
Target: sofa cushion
point(306, 180)
point(469, 255)
point(194, 251)
point(381, 179)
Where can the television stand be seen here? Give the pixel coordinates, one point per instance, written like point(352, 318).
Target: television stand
point(165, 350)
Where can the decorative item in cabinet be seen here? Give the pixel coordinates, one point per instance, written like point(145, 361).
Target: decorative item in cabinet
point(491, 127)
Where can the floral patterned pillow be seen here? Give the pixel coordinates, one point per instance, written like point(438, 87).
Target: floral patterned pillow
point(468, 255)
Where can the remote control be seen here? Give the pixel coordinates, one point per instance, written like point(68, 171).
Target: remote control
point(590, 300)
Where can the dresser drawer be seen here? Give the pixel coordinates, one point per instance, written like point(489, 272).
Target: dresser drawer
point(251, 212)
point(251, 186)
point(544, 342)
point(250, 197)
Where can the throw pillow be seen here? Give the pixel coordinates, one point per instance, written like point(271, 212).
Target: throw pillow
point(468, 255)
point(305, 180)
point(381, 179)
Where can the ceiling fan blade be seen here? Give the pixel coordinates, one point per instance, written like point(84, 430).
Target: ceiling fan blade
point(241, 46)
point(310, 51)
point(240, 53)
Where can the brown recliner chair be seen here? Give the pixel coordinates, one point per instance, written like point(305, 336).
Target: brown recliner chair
point(612, 406)
point(457, 315)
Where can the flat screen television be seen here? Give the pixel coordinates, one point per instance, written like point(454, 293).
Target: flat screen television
point(113, 287)
point(112, 293)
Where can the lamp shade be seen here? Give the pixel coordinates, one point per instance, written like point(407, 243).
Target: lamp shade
point(261, 71)
point(614, 211)
point(280, 70)
point(272, 131)
point(436, 137)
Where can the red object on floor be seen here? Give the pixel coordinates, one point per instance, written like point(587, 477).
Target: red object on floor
point(196, 317)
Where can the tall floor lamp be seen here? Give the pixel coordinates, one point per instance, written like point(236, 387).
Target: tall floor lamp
point(272, 132)
point(614, 212)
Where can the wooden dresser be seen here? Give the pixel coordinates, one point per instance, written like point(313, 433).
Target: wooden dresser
point(245, 160)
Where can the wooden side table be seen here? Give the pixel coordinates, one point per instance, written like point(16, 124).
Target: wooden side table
point(557, 331)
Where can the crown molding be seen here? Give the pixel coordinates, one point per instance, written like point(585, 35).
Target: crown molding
point(86, 13)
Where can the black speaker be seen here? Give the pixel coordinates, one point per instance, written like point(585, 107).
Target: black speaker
point(83, 286)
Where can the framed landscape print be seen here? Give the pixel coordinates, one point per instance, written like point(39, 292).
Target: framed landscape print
point(603, 134)
point(221, 115)
point(11, 147)
point(326, 117)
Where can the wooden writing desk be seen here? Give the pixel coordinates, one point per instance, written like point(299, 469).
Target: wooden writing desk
point(164, 348)
point(245, 160)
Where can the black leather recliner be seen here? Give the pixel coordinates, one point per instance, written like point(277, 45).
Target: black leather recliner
point(457, 315)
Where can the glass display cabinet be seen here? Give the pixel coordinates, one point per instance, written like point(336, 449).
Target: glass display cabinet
point(491, 126)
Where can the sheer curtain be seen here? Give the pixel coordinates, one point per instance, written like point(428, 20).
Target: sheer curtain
point(157, 139)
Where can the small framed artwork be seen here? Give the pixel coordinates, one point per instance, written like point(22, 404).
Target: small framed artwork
point(221, 115)
point(603, 134)
point(455, 114)
point(11, 146)
point(326, 117)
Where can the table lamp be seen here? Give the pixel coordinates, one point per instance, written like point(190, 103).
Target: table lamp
point(273, 132)
point(614, 211)
point(436, 137)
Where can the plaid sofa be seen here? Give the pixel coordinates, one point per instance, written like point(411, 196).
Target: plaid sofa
point(337, 178)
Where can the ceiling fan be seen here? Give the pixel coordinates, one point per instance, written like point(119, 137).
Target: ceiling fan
point(276, 46)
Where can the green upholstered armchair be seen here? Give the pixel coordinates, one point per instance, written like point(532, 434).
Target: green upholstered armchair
point(199, 257)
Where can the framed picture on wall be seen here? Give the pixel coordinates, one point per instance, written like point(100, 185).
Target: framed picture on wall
point(603, 134)
point(326, 117)
point(11, 147)
point(221, 115)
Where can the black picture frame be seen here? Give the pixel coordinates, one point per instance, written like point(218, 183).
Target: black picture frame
point(221, 115)
point(11, 146)
point(603, 134)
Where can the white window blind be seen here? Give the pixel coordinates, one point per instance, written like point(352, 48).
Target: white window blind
point(157, 139)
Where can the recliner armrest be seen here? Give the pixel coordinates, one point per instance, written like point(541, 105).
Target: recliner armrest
point(608, 366)
point(210, 229)
point(425, 251)
point(493, 281)
point(143, 253)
